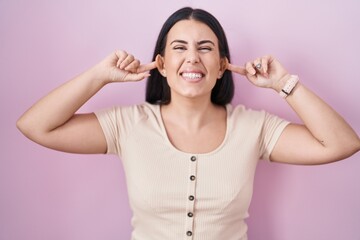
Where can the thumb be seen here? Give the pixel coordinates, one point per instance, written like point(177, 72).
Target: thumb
point(133, 77)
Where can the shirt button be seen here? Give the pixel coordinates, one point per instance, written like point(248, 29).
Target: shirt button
point(193, 158)
point(190, 214)
point(192, 177)
point(191, 198)
point(189, 233)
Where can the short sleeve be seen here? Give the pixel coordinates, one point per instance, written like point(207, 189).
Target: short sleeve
point(108, 119)
point(271, 130)
point(117, 123)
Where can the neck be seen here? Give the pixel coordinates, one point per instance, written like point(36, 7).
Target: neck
point(190, 113)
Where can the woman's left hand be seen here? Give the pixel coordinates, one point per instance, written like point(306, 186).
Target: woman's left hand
point(266, 72)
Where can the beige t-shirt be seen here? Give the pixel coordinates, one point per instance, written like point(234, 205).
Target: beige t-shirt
point(178, 195)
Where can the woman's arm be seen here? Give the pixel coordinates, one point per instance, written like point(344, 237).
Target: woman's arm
point(52, 121)
point(324, 136)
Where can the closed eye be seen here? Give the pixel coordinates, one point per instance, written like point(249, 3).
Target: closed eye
point(179, 48)
point(205, 49)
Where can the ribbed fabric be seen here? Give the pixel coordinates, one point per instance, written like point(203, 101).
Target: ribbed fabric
point(178, 195)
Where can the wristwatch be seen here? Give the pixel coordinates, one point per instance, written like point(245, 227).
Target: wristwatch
point(289, 86)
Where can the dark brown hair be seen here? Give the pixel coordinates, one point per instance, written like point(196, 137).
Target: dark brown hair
point(157, 88)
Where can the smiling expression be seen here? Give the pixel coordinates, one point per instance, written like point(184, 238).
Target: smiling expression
point(191, 62)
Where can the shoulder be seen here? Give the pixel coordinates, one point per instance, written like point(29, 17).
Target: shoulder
point(121, 120)
point(240, 114)
point(240, 111)
point(137, 111)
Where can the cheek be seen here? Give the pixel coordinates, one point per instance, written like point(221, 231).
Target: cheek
point(171, 59)
point(213, 67)
point(171, 65)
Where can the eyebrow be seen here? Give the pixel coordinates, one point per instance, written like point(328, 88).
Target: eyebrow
point(199, 43)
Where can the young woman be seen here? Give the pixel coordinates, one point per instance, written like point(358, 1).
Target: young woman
point(189, 156)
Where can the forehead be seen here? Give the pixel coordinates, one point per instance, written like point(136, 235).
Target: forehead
point(191, 30)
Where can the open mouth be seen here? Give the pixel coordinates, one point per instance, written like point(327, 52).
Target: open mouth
point(192, 76)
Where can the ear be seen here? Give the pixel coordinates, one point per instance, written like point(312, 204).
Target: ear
point(224, 62)
point(159, 61)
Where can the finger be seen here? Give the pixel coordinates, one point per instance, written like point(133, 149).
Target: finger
point(129, 59)
point(146, 67)
point(261, 66)
point(250, 68)
point(133, 66)
point(268, 59)
point(252, 78)
point(264, 64)
point(258, 64)
point(136, 76)
point(237, 69)
point(121, 55)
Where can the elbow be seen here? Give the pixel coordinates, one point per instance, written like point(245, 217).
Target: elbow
point(357, 145)
point(24, 127)
point(343, 150)
point(28, 129)
point(350, 148)
point(20, 125)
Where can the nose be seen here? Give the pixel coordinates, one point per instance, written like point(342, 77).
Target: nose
point(192, 56)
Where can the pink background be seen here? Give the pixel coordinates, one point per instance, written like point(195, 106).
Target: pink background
point(46, 194)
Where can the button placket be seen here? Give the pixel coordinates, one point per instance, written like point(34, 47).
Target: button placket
point(191, 198)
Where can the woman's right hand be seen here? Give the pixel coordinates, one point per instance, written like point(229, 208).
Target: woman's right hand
point(53, 122)
point(123, 67)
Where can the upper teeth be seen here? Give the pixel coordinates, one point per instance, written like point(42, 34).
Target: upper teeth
point(192, 75)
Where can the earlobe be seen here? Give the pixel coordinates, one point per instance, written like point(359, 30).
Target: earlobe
point(159, 60)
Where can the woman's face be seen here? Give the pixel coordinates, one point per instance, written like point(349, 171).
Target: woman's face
point(191, 62)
